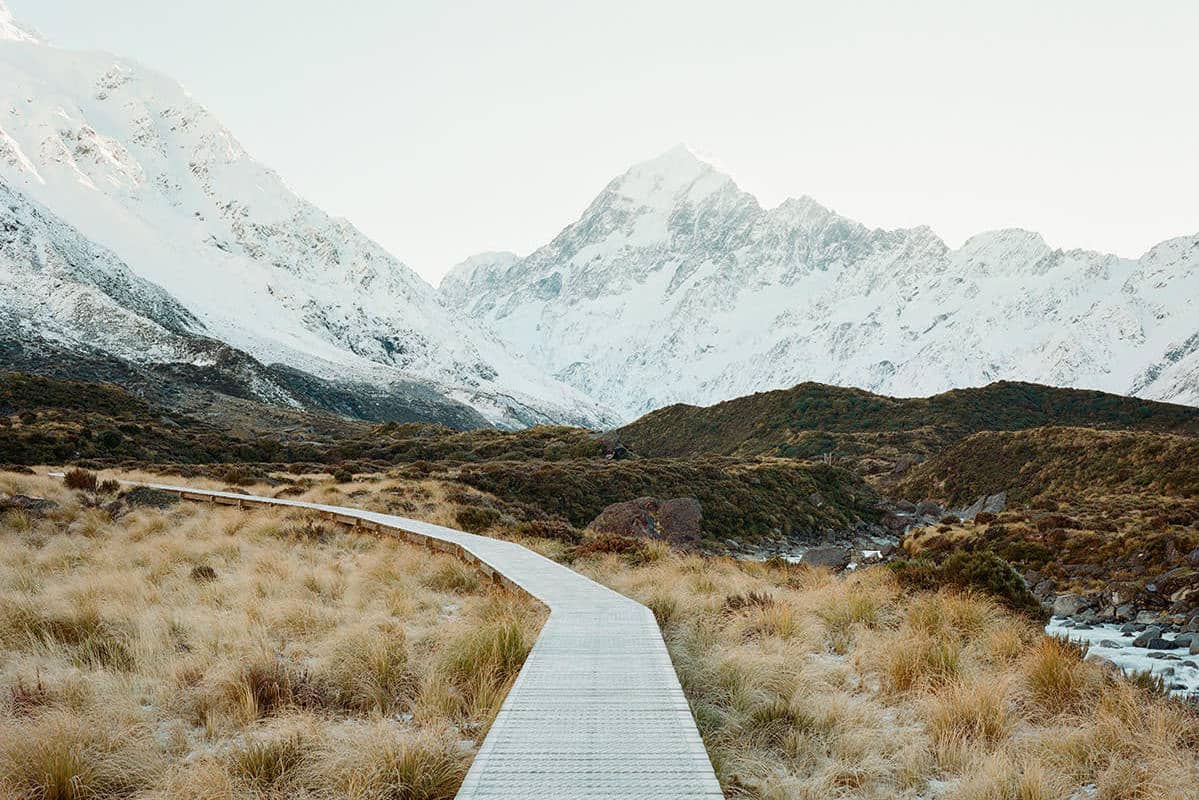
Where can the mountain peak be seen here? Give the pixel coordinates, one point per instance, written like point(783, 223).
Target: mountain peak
point(13, 31)
point(676, 174)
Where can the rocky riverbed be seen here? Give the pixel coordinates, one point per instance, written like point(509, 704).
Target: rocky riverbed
point(1166, 650)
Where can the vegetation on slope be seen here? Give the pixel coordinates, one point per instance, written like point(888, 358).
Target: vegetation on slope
point(812, 419)
point(1114, 512)
point(48, 421)
point(200, 651)
point(1058, 464)
point(746, 500)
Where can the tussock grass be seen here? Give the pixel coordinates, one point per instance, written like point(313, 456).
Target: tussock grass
point(208, 652)
point(809, 685)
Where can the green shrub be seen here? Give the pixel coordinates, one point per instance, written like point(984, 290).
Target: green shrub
point(550, 529)
point(475, 519)
point(981, 570)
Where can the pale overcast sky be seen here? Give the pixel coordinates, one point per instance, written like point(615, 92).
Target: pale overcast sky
point(447, 128)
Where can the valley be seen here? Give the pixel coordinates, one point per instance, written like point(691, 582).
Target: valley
point(701, 496)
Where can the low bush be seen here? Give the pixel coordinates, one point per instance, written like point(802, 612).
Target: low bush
point(80, 479)
point(476, 519)
point(550, 529)
point(979, 570)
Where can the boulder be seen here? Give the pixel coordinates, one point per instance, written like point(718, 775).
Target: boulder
point(971, 511)
point(995, 503)
point(835, 557)
point(1194, 649)
point(1159, 643)
point(1146, 636)
point(929, 509)
point(1069, 604)
point(1172, 580)
point(680, 518)
point(153, 498)
point(1147, 617)
point(676, 521)
point(34, 506)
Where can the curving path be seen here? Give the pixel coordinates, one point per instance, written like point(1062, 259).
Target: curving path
point(597, 710)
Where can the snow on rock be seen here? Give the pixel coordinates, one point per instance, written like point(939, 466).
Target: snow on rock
point(676, 286)
point(133, 165)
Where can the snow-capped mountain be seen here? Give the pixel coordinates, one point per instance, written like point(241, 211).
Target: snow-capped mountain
point(677, 286)
point(113, 176)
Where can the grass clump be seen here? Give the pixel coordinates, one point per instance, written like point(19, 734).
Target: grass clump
point(80, 479)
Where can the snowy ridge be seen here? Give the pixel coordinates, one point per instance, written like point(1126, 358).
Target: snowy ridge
point(676, 286)
point(132, 165)
point(14, 31)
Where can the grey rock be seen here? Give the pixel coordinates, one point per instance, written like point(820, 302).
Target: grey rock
point(1147, 618)
point(1146, 636)
point(929, 509)
point(1158, 643)
point(1044, 588)
point(835, 557)
point(1110, 643)
point(1194, 650)
point(971, 511)
point(34, 506)
point(1069, 604)
point(1125, 611)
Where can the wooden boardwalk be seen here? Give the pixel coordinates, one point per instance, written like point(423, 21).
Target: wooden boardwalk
point(597, 710)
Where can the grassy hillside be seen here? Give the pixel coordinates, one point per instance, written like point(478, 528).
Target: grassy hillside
point(1058, 464)
point(812, 419)
point(752, 501)
point(49, 421)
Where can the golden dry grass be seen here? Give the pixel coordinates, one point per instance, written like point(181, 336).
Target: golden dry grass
point(826, 687)
point(208, 652)
point(804, 684)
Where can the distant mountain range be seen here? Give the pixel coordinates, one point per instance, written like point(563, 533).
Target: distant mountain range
point(677, 286)
point(140, 244)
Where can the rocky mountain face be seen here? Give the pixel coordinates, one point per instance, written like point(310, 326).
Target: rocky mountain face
point(136, 231)
point(677, 286)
